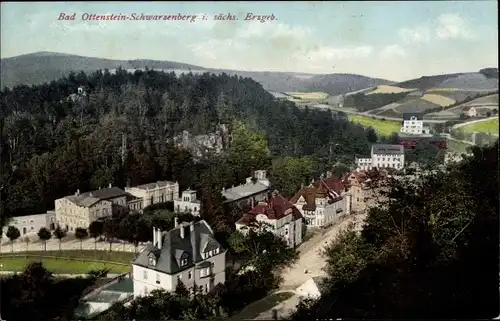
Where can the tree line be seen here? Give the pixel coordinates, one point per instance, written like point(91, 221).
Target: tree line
point(52, 144)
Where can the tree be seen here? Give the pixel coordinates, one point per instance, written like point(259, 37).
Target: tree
point(44, 235)
point(27, 241)
point(96, 229)
point(59, 234)
point(428, 234)
point(13, 234)
point(288, 174)
point(371, 135)
point(81, 234)
point(110, 231)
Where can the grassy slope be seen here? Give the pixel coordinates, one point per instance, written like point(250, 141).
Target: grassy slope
point(489, 126)
point(382, 127)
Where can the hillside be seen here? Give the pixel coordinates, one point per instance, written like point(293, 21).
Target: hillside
point(40, 67)
point(438, 96)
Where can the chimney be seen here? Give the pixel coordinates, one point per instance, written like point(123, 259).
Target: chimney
point(159, 238)
point(109, 185)
point(176, 221)
point(154, 236)
point(182, 231)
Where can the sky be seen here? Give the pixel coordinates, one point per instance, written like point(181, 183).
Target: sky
point(391, 40)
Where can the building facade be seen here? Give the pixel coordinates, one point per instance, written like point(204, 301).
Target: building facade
point(383, 156)
point(189, 253)
point(81, 209)
point(254, 190)
point(187, 203)
point(413, 123)
point(153, 193)
point(278, 215)
point(362, 194)
point(322, 202)
point(31, 224)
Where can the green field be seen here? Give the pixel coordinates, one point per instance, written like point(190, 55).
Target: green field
point(382, 127)
point(69, 262)
point(488, 126)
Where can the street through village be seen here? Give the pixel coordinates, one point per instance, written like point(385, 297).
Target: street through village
point(310, 259)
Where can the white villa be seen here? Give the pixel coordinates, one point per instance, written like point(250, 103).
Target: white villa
point(413, 123)
point(383, 156)
point(188, 253)
point(322, 202)
point(280, 217)
point(153, 193)
point(187, 203)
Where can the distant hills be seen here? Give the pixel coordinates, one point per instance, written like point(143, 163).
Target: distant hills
point(40, 67)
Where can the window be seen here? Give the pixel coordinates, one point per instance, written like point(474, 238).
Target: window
point(195, 209)
point(184, 260)
point(205, 272)
point(32, 228)
point(157, 278)
point(145, 274)
point(216, 251)
point(152, 260)
point(190, 275)
point(207, 288)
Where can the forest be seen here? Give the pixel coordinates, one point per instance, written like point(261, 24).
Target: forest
point(55, 140)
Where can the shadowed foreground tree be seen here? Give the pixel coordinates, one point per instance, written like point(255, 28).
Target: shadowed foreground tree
point(430, 252)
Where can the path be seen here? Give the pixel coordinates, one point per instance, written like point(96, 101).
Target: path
point(310, 258)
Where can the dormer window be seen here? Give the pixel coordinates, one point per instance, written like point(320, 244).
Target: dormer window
point(216, 251)
point(184, 259)
point(152, 260)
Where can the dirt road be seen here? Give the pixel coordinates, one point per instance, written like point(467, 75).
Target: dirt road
point(310, 259)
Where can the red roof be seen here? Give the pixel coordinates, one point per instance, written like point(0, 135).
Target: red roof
point(330, 187)
point(274, 208)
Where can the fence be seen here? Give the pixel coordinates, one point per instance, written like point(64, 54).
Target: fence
point(62, 258)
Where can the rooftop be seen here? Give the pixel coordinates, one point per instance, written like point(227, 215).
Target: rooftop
point(387, 149)
point(275, 208)
point(90, 198)
point(408, 116)
point(330, 188)
point(244, 190)
point(175, 245)
point(158, 184)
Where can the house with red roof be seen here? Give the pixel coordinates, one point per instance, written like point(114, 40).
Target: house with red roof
point(322, 202)
point(278, 215)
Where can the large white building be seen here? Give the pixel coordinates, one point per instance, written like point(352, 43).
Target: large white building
point(188, 253)
point(187, 203)
point(383, 156)
point(413, 123)
point(153, 193)
point(280, 217)
point(81, 209)
point(31, 224)
point(322, 202)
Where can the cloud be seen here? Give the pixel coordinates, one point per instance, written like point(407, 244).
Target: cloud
point(415, 35)
point(274, 47)
point(393, 51)
point(453, 26)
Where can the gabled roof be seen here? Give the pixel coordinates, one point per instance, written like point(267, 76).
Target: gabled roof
point(275, 208)
point(174, 247)
point(154, 185)
point(331, 188)
point(90, 198)
point(387, 149)
point(244, 190)
point(408, 116)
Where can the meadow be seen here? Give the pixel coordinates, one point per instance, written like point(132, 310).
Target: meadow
point(386, 89)
point(308, 96)
point(382, 127)
point(488, 126)
point(438, 100)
